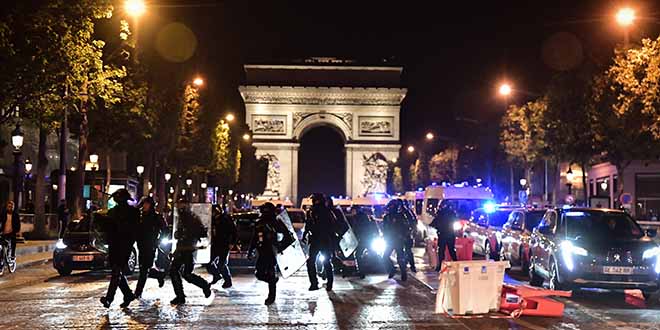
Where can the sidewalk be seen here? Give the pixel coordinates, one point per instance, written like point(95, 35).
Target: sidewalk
point(34, 252)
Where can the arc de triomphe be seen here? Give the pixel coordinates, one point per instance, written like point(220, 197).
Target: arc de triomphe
point(284, 101)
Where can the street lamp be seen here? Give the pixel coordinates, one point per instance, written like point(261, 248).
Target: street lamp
point(28, 165)
point(246, 137)
point(94, 159)
point(189, 182)
point(203, 185)
point(523, 182)
point(135, 8)
point(199, 82)
point(168, 177)
point(569, 180)
point(505, 89)
point(229, 117)
point(139, 169)
point(625, 16)
point(17, 143)
point(429, 136)
point(411, 149)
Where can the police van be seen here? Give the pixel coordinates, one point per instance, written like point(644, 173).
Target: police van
point(464, 199)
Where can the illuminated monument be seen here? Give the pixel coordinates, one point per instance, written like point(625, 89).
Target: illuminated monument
point(361, 103)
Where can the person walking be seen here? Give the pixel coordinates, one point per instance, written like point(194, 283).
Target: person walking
point(265, 244)
point(223, 238)
point(444, 225)
point(121, 237)
point(320, 233)
point(188, 232)
point(150, 228)
point(409, 243)
point(396, 231)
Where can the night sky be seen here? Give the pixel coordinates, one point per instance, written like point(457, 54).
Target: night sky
point(454, 55)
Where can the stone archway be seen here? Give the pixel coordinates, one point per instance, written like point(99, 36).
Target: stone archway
point(367, 118)
point(321, 162)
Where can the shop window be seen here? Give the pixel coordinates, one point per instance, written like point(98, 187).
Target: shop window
point(647, 196)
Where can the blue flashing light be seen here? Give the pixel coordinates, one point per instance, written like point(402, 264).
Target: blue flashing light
point(434, 184)
point(478, 180)
point(490, 207)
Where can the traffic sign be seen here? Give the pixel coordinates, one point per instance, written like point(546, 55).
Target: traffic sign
point(626, 198)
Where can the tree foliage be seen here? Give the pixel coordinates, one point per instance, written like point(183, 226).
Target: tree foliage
point(523, 135)
point(443, 166)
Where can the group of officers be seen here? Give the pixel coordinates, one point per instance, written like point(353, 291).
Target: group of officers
point(324, 228)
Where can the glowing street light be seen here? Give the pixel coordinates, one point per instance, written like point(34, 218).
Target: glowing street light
point(523, 182)
point(411, 149)
point(229, 117)
point(168, 176)
point(203, 185)
point(625, 16)
point(139, 169)
point(135, 8)
point(28, 165)
point(430, 136)
point(93, 158)
point(189, 182)
point(199, 82)
point(246, 137)
point(505, 89)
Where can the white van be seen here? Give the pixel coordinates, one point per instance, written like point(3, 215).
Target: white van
point(416, 200)
point(464, 199)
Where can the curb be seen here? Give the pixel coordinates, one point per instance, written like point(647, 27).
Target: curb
point(34, 263)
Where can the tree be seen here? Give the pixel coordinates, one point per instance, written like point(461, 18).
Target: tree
point(634, 78)
point(443, 166)
point(623, 123)
point(52, 61)
point(522, 135)
point(397, 180)
point(568, 121)
point(419, 172)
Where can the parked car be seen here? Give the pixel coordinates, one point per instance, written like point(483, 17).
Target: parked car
point(84, 246)
point(515, 234)
point(593, 248)
point(484, 225)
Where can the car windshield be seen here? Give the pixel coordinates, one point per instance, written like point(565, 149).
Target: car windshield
point(463, 207)
point(601, 225)
point(498, 218)
point(533, 218)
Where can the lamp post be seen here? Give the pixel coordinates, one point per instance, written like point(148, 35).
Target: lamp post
point(94, 166)
point(569, 180)
point(625, 17)
point(28, 169)
point(17, 142)
point(140, 169)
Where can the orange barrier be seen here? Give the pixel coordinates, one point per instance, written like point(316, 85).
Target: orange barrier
point(526, 300)
point(464, 248)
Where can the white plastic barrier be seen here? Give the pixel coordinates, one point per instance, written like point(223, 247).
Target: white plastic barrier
point(470, 287)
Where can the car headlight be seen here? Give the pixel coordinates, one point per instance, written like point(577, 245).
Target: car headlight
point(379, 245)
point(321, 258)
point(458, 225)
point(568, 250)
point(60, 244)
point(651, 253)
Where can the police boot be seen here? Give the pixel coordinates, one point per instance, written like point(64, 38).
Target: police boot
point(106, 302)
point(227, 283)
point(272, 289)
point(178, 301)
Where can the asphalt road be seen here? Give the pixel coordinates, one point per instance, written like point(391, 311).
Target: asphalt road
point(38, 298)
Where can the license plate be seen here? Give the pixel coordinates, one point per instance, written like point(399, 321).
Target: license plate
point(618, 270)
point(349, 262)
point(83, 258)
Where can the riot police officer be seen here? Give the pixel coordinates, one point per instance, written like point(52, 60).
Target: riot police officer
point(396, 231)
point(188, 232)
point(444, 225)
point(320, 233)
point(366, 230)
point(411, 219)
point(264, 242)
point(121, 237)
point(223, 237)
point(149, 230)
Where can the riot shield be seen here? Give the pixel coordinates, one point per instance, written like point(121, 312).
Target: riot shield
point(348, 241)
point(292, 258)
point(203, 211)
